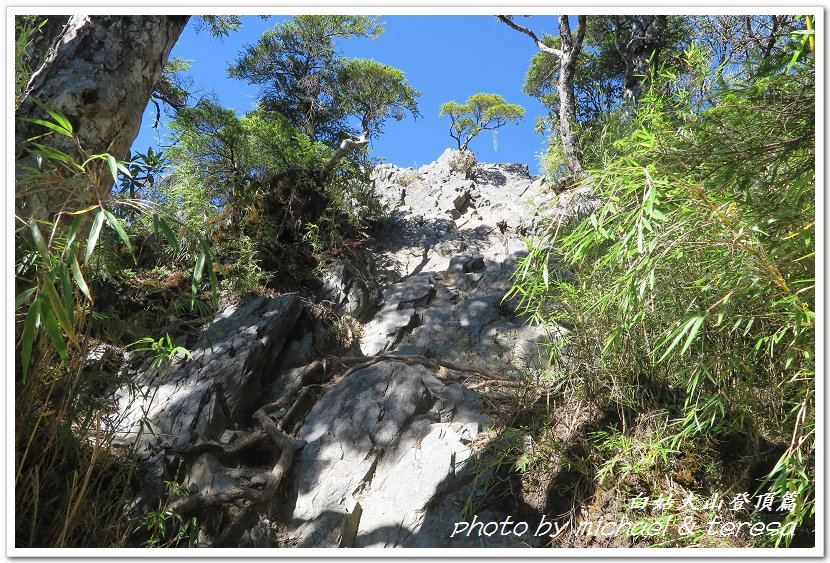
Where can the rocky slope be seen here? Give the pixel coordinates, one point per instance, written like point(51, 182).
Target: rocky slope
point(377, 451)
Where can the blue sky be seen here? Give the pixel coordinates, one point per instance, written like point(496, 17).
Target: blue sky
point(445, 57)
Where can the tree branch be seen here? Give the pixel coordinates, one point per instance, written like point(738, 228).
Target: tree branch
point(542, 47)
point(346, 146)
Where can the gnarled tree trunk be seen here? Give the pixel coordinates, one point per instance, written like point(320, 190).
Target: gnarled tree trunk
point(100, 75)
point(644, 42)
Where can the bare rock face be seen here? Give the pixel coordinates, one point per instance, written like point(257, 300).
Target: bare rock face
point(217, 387)
point(349, 284)
point(380, 446)
point(388, 453)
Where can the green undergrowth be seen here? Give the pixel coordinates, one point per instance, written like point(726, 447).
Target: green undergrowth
point(692, 296)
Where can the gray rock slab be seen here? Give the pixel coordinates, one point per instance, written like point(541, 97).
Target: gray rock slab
point(377, 441)
point(218, 387)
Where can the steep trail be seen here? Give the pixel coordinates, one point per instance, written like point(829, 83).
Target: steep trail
point(389, 452)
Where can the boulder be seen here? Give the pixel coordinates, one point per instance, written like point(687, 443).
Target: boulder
point(350, 285)
point(218, 386)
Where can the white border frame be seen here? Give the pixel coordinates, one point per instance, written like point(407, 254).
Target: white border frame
point(384, 7)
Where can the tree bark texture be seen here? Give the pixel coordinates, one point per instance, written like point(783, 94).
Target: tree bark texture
point(100, 74)
point(645, 41)
point(571, 47)
point(568, 55)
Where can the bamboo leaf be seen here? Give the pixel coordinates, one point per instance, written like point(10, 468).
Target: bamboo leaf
point(93, 234)
point(23, 298)
point(214, 283)
point(113, 222)
point(113, 165)
point(59, 118)
point(66, 290)
point(680, 333)
point(197, 278)
point(693, 332)
point(39, 242)
point(73, 231)
point(57, 307)
point(30, 327)
point(54, 154)
point(166, 230)
point(79, 278)
point(54, 127)
point(124, 170)
point(82, 211)
point(54, 332)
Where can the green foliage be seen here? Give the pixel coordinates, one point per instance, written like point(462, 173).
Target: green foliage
point(374, 92)
point(219, 26)
point(26, 29)
point(481, 112)
point(297, 65)
point(696, 276)
point(163, 350)
point(173, 86)
point(167, 527)
point(228, 156)
point(596, 81)
point(63, 450)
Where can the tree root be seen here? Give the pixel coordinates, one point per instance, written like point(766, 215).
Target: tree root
point(222, 451)
point(287, 446)
point(299, 398)
point(430, 363)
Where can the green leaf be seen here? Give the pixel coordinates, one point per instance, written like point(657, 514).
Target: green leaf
point(30, 327)
point(50, 125)
point(57, 307)
point(93, 234)
point(23, 298)
point(79, 278)
point(113, 222)
point(113, 164)
point(214, 283)
point(124, 170)
point(166, 230)
point(693, 325)
point(66, 290)
point(39, 242)
point(693, 332)
point(657, 214)
point(73, 231)
point(54, 154)
point(197, 278)
point(54, 332)
point(59, 118)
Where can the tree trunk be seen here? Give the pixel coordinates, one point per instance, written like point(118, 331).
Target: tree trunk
point(568, 55)
point(100, 75)
point(346, 146)
point(571, 47)
point(645, 41)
